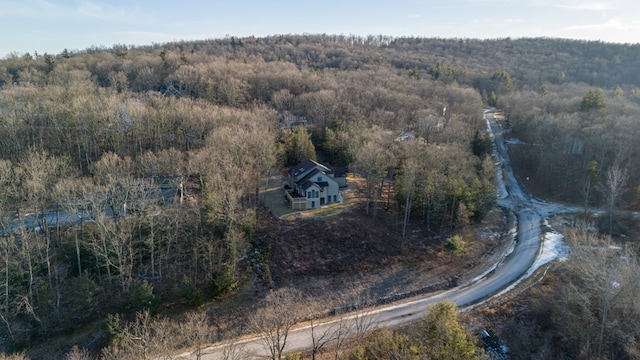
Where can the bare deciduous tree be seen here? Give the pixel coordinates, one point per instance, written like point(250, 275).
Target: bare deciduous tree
point(235, 352)
point(77, 353)
point(323, 335)
point(593, 311)
point(283, 309)
point(196, 331)
point(615, 183)
point(373, 159)
point(138, 335)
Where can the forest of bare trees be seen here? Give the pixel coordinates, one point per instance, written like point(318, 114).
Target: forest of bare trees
point(130, 178)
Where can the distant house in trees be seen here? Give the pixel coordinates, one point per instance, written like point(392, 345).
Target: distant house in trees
point(288, 121)
point(312, 185)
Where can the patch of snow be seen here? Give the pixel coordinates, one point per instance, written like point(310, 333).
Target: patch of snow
point(514, 141)
point(491, 135)
point(484, 274)
point(513, 233)
point(552, 248)
point(488, 234)
point(501, 189)
point(405, 136)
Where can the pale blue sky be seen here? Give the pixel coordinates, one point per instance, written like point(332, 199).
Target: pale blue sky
point(53, 25)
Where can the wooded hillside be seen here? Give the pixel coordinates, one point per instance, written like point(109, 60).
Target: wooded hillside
point(145, 164)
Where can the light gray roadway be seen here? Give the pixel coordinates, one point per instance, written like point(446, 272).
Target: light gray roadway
point(513, 267)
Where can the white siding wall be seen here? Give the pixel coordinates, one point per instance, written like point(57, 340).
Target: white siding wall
point(313, 202)
point(332, 190)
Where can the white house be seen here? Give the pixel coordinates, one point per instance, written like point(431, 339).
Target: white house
point(315, 182)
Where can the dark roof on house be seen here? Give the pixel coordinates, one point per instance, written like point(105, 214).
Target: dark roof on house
point(309, 176)
point(323, 184)
point(306, 165)
point(307, 184)
point(339, 171)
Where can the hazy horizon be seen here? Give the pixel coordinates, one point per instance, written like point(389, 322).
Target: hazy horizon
point(51, 26)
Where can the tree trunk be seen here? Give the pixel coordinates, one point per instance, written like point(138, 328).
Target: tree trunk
point(407, 211)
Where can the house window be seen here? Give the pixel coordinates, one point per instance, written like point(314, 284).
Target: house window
point(335, 198)
point(313, 204)
point(319, 178)
point(308, 194)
